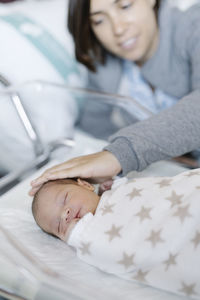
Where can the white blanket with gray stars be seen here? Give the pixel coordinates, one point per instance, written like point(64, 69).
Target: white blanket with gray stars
point(146, 229)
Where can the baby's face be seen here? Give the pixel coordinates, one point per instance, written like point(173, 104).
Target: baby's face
point(62, 204)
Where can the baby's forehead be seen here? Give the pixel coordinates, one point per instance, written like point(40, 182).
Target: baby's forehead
point(49, 192)
point(58, 183)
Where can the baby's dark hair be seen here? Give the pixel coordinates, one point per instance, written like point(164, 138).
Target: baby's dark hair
point(35, 205)
point(36, 201)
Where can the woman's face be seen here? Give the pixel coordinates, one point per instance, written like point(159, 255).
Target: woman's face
point(126, 28)
point(61, 205)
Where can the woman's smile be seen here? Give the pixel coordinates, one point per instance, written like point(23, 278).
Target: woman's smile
point(129, 44)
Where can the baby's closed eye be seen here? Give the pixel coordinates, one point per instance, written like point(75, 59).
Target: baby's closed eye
point(58, 227)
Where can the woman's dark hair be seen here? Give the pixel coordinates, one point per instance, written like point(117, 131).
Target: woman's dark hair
point(88, 50)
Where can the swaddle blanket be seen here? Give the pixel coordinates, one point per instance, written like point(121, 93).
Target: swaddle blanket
point(148, 230)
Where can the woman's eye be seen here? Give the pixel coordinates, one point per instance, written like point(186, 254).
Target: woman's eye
point(97, 22)
point(126, 5)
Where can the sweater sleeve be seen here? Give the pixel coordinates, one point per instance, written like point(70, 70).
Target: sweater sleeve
point(171, 133)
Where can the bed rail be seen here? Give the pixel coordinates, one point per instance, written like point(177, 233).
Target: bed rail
point(25, 119)
point(42, 153)
point(13, 178)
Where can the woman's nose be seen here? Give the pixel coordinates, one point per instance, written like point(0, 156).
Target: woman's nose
point(118, 26)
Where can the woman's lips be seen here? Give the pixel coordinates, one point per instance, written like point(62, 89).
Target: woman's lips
point(128, 44)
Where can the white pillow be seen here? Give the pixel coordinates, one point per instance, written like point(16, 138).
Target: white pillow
point(35, 44)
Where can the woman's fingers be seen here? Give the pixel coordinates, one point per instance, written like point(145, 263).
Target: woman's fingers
point(50, 173)
point(54, 175)
point(57, 172)
point(98, 167)
point(34, 190)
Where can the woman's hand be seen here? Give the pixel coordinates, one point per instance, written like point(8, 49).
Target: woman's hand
point(97, 167)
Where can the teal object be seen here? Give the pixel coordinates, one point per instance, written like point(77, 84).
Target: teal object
point(47, 45)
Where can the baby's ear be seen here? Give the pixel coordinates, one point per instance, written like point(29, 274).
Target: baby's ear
point(85, 184)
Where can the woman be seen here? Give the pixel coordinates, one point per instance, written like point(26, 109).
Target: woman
point(168, 56)
point(108, 54)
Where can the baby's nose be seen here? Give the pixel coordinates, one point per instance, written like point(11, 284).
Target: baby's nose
point(67, 215)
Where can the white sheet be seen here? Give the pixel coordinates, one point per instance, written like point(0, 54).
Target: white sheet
point(76, 279)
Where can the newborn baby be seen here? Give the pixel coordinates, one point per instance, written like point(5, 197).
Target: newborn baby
point(145, 229)
point(60, 204)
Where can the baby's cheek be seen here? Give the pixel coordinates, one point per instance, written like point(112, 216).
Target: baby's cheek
point(69, 229)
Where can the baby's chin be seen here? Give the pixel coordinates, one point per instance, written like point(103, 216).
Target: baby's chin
point(69, 229)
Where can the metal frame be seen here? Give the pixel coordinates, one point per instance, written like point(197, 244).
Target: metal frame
point(23, 115)
point(42, 154)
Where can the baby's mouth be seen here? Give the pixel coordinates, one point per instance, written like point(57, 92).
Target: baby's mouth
point(78, 215)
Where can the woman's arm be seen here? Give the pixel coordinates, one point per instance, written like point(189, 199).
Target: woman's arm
point(171, 133)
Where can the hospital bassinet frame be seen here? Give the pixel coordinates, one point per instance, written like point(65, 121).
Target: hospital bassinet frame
point(34, 272)
point(43, 152)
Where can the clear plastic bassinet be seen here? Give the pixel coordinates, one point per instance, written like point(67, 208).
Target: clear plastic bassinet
point(34, 265)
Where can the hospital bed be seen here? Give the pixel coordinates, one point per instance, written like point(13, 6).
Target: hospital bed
point(34, 265)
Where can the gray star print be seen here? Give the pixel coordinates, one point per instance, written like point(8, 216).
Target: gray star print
point(170, 261)
point(85, 248)
point(144, 213)
point(140, 276)
point(155, 238)
point(174, 199)
point(188, 289)
point(196, 239)
point(107, 209)
point(164, 182)
point(182, 213)
point(114, 232)
point(131, 181)
point(127, 260)
point(134, 193)
point(192, 173)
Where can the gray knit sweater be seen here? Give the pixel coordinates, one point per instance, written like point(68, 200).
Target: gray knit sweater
point(175, 69)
